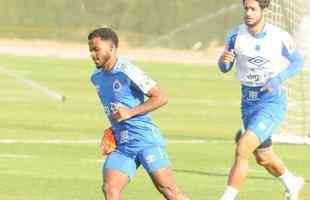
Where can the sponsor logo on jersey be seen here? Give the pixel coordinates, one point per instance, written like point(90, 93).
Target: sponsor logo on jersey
point(258, 61)
point(253, 77)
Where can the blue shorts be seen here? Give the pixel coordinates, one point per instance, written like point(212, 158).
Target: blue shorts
point(263, 119)
point(152, 159)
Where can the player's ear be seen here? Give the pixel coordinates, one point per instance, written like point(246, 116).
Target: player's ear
point(113, 48)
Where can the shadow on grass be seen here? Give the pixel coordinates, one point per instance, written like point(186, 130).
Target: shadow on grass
point(205, 173)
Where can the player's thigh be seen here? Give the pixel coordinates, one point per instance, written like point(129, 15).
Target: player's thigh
point(120, 166)
point(154, 158)
point(156, 162)
point(114, 180)
point(163, 180)
point(265, 121)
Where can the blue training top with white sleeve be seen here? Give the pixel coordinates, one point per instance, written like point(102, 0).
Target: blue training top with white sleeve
point(126, 85)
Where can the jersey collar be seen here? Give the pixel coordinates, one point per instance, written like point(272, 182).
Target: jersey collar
point(117, 65)
point(260, 34)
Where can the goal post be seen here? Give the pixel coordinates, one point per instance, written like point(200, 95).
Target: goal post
point(294, 17)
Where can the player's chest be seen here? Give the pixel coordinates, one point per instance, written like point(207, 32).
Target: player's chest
point(113, 87)
point(267, 47)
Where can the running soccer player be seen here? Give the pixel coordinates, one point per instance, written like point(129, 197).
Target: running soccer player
point(258, 50)
point(121, 87)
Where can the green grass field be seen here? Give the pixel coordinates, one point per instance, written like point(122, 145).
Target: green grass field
point(204, 104)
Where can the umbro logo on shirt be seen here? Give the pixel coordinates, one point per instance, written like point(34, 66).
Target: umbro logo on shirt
point(258, 61)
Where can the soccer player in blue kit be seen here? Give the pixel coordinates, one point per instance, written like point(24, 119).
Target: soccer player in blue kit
point(121, 87)
point(258, 50)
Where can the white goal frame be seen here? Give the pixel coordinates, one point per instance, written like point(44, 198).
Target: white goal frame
point(292, 16)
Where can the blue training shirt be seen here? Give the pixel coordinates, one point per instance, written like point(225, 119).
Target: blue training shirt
point(126, 85)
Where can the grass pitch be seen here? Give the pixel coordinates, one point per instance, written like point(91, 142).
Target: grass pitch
point(204, 104)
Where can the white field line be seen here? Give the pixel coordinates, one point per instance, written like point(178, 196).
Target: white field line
point(12, 99)
point(50, 93)
point(169, 141)
point(17, 156)
point(16, 172)
point(96, 141)
point(7, 156)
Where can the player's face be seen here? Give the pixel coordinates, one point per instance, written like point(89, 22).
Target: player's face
point(253, 14)
point(101, 51)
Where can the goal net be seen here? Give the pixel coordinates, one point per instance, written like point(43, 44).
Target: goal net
point(294, 17)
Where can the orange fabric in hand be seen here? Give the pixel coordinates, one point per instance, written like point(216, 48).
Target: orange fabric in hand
point(108, 142)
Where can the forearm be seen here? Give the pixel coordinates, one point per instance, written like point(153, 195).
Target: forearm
point(296, 64)
point(151, 104)
point(227, 59)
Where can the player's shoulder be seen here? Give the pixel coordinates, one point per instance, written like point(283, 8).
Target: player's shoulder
point(235, 30)
point(272, 28)
point(284, 37)
point(95, 72)
point(277, 31)
point(137, 76)
point(127, 67)
point(232, 34)
point(94, 75)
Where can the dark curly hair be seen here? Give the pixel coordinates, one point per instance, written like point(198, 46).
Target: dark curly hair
point(104, 34)
point(262, 3)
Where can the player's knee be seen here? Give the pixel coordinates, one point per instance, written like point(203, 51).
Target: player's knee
point(110, 189)
point(246, 146)
point(169, 191)
point(242, 151)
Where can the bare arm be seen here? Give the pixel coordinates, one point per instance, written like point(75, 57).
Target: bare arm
point(157, 98)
